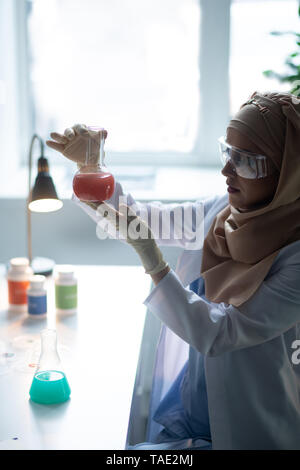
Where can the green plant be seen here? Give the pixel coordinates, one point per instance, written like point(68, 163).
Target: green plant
point(291, 61)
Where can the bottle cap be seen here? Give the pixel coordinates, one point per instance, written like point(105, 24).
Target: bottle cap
point(66, 272)
point(19, 263)
point(37, 281)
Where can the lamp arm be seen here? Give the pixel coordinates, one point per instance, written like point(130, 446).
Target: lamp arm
point(29, 233)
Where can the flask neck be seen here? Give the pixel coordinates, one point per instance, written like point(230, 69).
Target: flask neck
point(49, 359)
point(95, 149)
point(90, 168)
point(49, 340)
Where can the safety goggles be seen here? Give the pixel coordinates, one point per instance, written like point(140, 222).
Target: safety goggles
point(246, 164)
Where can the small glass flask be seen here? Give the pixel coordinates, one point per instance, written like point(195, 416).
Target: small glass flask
point(49, 383)
point(93, 182)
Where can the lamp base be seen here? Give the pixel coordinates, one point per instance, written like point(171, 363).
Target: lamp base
point(42, 266)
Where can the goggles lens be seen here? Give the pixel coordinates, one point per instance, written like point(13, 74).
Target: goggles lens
point(247, 165)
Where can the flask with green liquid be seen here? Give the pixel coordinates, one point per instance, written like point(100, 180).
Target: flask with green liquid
point(49, 384)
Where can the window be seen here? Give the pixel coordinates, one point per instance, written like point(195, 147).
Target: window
point(130, 66)
point(163, 77)
point(253, 49)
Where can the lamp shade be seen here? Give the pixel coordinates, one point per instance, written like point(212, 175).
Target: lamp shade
point(43, 196)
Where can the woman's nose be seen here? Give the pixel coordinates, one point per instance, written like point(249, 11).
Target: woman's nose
point(228, 169)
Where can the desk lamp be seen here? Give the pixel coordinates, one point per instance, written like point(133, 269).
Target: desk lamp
point(41, 198)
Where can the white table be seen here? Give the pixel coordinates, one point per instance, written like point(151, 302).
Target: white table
point(99, 349)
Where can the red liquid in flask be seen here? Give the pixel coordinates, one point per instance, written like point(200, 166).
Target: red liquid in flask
point(94, 187)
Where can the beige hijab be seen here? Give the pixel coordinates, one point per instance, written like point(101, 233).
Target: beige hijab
point(240, 248)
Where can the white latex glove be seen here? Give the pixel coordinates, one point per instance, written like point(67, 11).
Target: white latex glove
point(136, 233)
point(73, 142)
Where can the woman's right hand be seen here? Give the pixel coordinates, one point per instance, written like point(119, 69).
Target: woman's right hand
point(73, 142)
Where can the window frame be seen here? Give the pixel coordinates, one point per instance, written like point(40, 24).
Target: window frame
point(18, 120)
point(15, 106)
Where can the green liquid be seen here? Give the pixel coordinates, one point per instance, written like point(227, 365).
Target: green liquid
point(48, 387)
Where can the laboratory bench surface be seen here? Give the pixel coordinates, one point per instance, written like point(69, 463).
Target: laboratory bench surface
point(99, 347)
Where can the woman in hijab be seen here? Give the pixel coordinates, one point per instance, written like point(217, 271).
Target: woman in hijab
point(226, 374)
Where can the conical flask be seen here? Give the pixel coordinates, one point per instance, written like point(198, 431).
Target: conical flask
point(93, 182)
point(49, 383)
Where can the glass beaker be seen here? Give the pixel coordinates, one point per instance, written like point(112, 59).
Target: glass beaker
point(93, 182)
point(49, 384)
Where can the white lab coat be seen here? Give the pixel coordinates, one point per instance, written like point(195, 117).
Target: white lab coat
point(251, 367)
